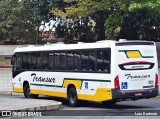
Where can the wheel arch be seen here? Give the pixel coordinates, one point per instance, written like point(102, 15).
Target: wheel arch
point(25, 83)
point(70, 86)
point(72, 95)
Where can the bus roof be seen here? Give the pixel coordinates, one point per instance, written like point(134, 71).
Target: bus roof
point(80, 45)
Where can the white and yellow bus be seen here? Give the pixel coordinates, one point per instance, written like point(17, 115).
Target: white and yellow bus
point(104, 71)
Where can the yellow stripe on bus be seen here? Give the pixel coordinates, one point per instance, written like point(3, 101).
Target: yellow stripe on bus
point(102, 94)
point(133, 54)
point(18, 90)
point(48, 93)
point(76, 83)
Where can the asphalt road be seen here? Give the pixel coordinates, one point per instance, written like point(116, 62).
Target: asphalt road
point(140, 109)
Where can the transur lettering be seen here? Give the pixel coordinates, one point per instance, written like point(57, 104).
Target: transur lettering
point(42, 79)
point(137, 76)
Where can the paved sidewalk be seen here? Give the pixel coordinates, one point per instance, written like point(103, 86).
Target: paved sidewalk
point(17, 102)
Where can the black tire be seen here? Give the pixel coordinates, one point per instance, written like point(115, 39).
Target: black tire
point(27, 94)
point(72, 97)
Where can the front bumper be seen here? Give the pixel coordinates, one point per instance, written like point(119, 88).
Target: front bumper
point(132, 95)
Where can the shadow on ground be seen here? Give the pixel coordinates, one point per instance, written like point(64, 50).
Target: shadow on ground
point(87, 104)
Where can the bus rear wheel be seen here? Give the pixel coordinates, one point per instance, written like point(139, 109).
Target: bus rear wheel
point(72, 97)
point(27, 92)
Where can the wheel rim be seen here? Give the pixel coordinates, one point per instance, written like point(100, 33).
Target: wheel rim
point(72, 98)
point(28, 92)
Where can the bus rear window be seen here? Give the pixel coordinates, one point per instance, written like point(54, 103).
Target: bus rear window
point(138, 65)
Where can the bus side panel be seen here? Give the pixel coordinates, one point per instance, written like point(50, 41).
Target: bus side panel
point(93, 86)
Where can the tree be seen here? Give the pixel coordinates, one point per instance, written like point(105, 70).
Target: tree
point(98, 10)
point(21, 19)
point(141, 24)
point(72, 30)
point(40, 11)
point(14, 25)
point(101, 10)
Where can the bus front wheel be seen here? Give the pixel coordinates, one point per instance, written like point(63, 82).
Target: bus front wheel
point(27, 92)
point(72, 97)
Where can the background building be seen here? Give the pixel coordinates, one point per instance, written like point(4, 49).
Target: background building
point(6, 52)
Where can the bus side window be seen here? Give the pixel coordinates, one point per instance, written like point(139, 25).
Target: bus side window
point(70, 60)
point(76, 60)
point(26, 61)
point(88, 60)
point(39, 64)
point(63, 60)
point(85, 60)
point(36, 61)
point(103, 60)
point(45, 60)
point(56, 61)
point(50, 60)
point(73, 60)
point(16, 62)
point(92, 60)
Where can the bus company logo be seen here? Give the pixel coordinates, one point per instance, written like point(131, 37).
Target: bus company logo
point(129, 76)
point(42, 79)
point(134, 54)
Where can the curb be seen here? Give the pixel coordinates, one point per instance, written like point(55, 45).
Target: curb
point(49, 105)
point(6, 93)
point(42, 108)
point(10, 93)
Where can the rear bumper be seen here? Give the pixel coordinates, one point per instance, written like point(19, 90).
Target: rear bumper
point(124, 95)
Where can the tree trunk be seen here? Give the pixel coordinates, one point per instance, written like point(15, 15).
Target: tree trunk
point(37, 35)
point(101, 17)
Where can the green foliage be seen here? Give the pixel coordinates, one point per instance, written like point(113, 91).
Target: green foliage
point(14, 25)
point(86, 7)
point(86, 20)
point(141, 24)
point(113, 24)
point(108, 14)
point(151, 4)
point(20, 19)
point(73, 30)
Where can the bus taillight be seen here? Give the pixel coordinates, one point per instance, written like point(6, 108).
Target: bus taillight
point(156, 81)
point(116, 83)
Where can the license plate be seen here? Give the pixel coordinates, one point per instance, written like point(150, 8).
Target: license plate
point(138, 94)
